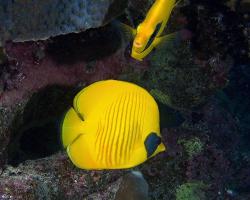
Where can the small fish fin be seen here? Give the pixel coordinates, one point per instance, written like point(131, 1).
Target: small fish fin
point(164, 39)
point(126, 30)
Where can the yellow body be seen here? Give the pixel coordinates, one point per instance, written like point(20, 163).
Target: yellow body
point(108, 125)
point(149, 31)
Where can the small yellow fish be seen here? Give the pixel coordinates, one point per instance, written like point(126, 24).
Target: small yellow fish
point(147, 34)
point(112, 125)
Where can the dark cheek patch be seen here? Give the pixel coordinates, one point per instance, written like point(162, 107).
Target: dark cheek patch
point(151, 143)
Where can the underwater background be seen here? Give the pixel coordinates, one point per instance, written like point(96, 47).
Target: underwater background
point(50, 50)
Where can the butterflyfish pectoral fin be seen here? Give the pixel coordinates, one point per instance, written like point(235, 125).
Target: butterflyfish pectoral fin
point(163, 40)
point(127, 31)
point(166, 38)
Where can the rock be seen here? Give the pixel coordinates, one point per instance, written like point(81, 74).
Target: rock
point(63, 60)
point(133, 187)
point(34, 20)
point(53, 177)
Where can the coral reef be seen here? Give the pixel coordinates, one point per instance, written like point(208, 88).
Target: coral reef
point(209, 167)
point(53, 178)
point(34, 20)
point(191, 146)
point(200, 80)
point(215, 163)
point(182, 83)
point(192, 190)
point(33, 65)
point(195, 84)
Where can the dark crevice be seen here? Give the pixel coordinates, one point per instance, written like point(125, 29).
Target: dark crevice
point(37, 131)
point(90, 45)
point(35, 142)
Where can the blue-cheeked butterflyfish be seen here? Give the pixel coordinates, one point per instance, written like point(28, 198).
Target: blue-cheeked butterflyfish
point(112, 125)
point(147, 35)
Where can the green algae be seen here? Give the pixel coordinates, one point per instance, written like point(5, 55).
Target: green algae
point(192, 146)
point(191, 191)
point(175, 75)
point(161, 97)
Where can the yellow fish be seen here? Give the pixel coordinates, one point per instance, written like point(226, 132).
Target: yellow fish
point(147, 34)
point(112, 125)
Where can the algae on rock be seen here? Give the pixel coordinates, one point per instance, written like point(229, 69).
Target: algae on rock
point(191, 191)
